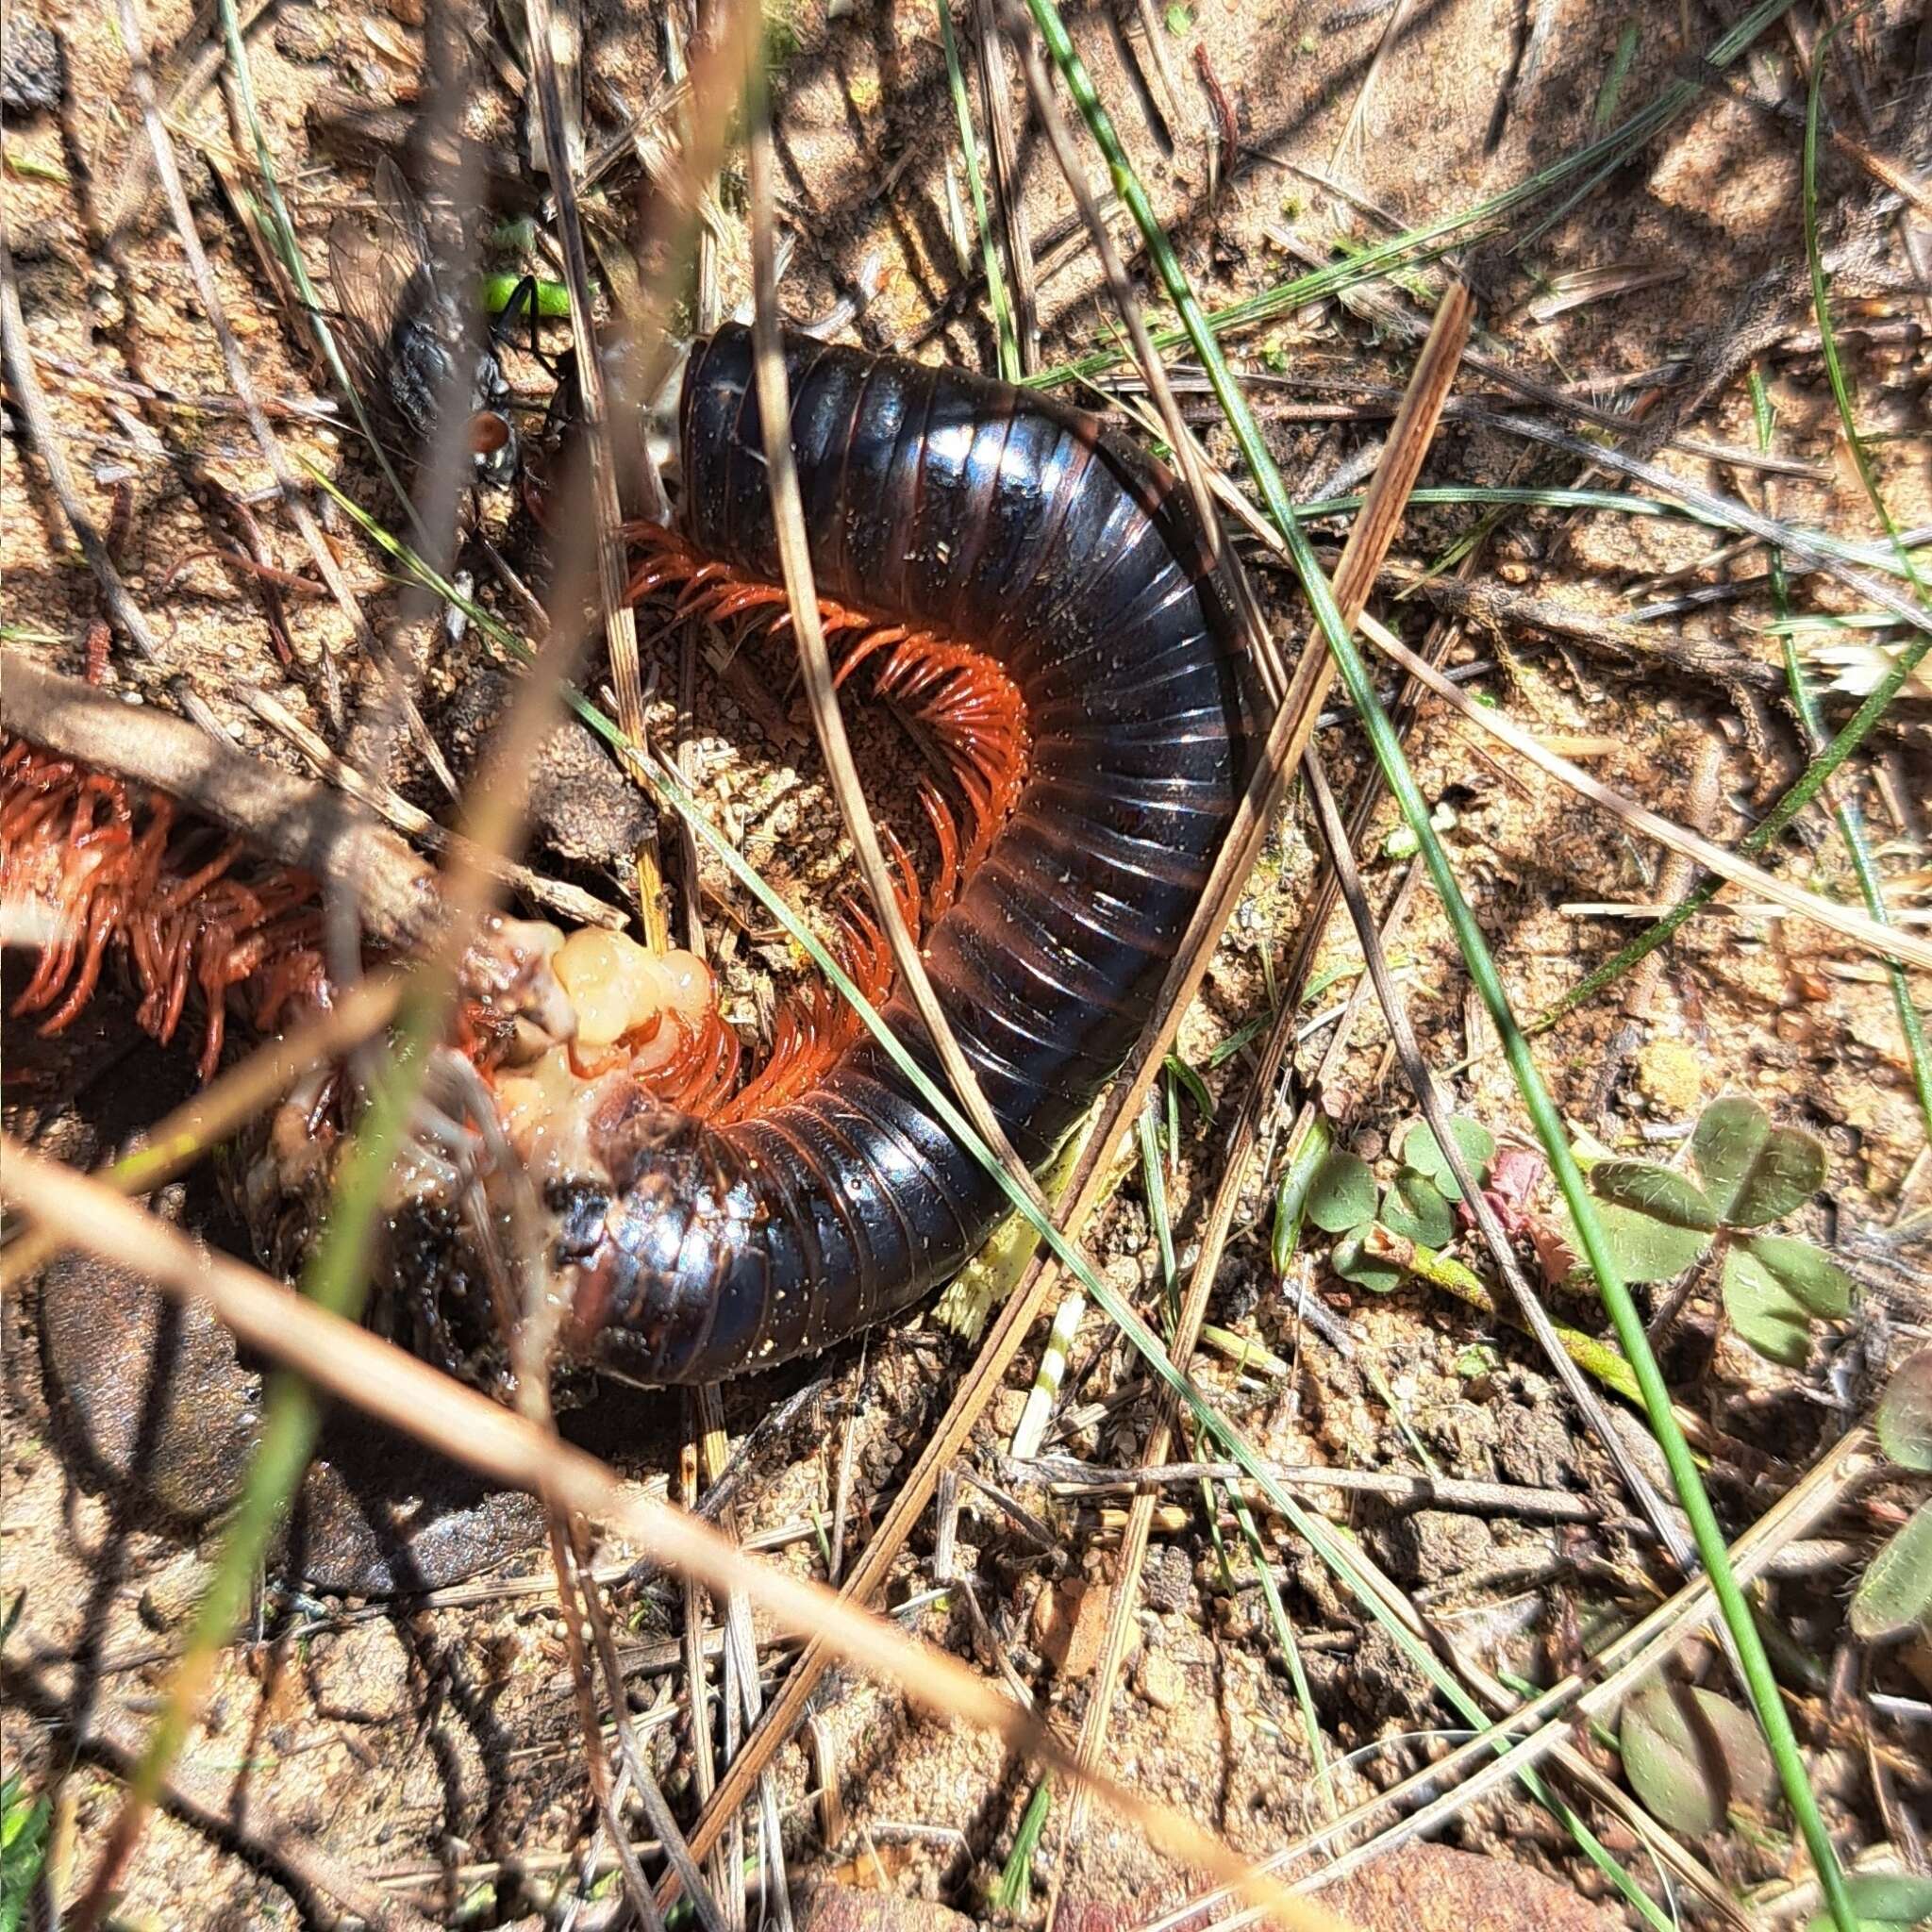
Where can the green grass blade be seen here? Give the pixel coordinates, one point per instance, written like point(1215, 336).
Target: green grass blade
point(1600, 158)
point(337, 1278)
point(1622, 1308)
point(990, 254)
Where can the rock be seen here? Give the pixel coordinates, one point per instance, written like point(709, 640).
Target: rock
point(1069, 1625)
point(305, 34)
point(1436, 1544)
point(1669, 1076)
point(33, 69)
point(581, 806)
point(1169, 1580)
point(1534, 1447)
point(1432, 1889)
point(1160, 1680)
point(1466, 1432)
point(155, 1390)
point(174, 1593)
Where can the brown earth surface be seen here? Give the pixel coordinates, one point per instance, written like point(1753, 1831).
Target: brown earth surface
point(430, 1746)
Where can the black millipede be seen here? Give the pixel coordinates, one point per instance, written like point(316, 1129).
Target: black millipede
point(967, 523)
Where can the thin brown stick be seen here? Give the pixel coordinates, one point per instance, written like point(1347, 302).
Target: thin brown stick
point(620, 620)
point(283, 817)
point(351, 1364)
point(1288, 736)
point(1369, 542)
point(1496, 606)
point(1066, 1476)
point(557, 895)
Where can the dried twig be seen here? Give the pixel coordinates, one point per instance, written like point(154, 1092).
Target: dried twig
point(283, 817)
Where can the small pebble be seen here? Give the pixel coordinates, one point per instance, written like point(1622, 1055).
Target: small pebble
point(33, 70)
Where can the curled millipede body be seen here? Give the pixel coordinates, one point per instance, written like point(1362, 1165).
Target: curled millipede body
point(951, 519)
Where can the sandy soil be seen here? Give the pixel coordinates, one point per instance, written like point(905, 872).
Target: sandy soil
point(431, 1747)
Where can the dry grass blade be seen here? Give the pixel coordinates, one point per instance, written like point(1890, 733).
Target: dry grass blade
point(1006, 182)
point(1353, 133)
point(1375, 531)
point(821, 690)
point(284, 817)
point(1181, 439)
point(353, 1365)
point(32, 401)
point(1887, 941)
point(620, 620)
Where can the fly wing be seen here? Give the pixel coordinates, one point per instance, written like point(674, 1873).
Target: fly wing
point(378, 271)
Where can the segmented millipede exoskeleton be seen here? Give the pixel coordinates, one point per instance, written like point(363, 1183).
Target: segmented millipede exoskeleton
point(952, 520)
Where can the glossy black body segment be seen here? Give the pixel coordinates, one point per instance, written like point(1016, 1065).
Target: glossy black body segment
point(1011, 521)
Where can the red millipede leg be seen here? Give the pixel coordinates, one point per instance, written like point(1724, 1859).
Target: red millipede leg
point(977, 720)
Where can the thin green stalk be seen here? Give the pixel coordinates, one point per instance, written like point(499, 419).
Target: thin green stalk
point(969, 146)
point(337, 1278)
point(1851, 822)
point(1622, 1308)
point(1600, 158)
point(1155, 1186)
point(1284, 1635)
point(1016, 1876)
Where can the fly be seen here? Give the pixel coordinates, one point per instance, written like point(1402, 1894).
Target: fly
point(413, 340)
